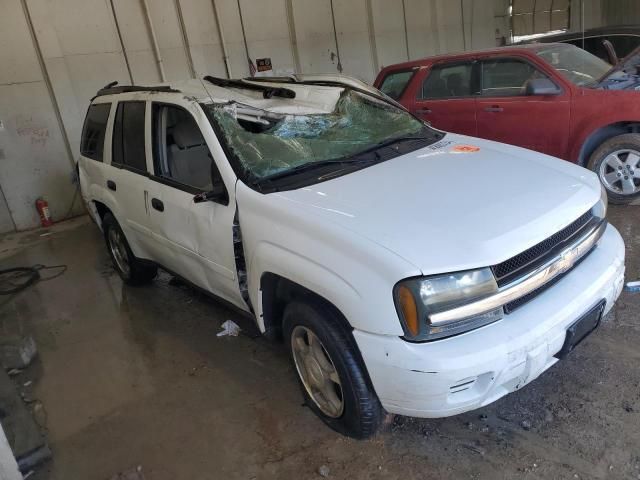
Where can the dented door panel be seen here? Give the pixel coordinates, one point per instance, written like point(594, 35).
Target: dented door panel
point(196, 240)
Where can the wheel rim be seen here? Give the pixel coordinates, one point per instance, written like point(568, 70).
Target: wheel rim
point(317, 371)
point(119, 251)
point(620, 172)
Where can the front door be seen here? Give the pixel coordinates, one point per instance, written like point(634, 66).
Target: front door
point(195, 240)
point(446, 98)
point(507, 114)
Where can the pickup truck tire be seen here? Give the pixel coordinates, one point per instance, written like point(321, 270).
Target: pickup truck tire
point(617, 163)
point(334, 382)
point(131, 270)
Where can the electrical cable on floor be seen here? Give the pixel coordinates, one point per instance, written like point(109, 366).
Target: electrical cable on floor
point(14, 280)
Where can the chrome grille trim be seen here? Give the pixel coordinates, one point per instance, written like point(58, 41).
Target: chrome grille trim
point(552, 268)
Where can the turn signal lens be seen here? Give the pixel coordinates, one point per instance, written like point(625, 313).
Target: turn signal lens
point(409, 309)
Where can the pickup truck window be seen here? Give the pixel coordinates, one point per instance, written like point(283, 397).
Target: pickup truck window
point(448, 81)
point(506, 77)
point(128, 136)
point(181, 153)
point(267, 143)
point(576, 65)
point(95, 125)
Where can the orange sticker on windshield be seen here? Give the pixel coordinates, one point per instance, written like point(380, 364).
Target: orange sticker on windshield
point(465, 148)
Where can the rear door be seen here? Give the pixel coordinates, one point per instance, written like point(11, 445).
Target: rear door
point(127, 178)
point(446, 97)
point(507, 114)
point(92, 168)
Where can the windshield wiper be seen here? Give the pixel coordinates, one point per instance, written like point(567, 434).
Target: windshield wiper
point(353, 160)
point(367, 156)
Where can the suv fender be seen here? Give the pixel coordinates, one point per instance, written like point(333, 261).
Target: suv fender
point(272, 259)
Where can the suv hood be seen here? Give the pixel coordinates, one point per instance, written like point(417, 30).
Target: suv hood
point(447, 207)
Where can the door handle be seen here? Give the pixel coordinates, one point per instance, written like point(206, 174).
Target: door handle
point(423, 110)
point(494, 108)
point(157, 204)
point(111, 185)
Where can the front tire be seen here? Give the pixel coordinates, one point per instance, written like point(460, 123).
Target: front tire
point(332, 376)
point(131, 270)
point(617, 163)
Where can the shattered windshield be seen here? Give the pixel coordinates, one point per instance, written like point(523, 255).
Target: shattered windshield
point(575, 64)
point(269, 144)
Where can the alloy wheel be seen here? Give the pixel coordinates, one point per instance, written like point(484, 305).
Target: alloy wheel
point(317, 371)
point(119, 251)
point(620, 172)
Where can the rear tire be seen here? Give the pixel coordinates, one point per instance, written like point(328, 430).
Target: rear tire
point(131, 270)
point(334, 381)
point(617, 163)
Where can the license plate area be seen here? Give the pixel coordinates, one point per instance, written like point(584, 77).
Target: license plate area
point(580, 329)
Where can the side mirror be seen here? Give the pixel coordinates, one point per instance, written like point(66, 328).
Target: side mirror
point(218, 194)
point(541, 86)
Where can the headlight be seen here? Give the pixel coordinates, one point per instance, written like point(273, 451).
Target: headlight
point(600, 209)
point(418, 298)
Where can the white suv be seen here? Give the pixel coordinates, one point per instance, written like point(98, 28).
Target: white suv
point(409, 270)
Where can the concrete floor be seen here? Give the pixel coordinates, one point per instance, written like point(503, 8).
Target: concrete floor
point(136, 376)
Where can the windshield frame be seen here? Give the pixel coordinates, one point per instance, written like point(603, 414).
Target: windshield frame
point(256, 183)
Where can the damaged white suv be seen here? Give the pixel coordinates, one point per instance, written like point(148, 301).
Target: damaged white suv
point(409, 270)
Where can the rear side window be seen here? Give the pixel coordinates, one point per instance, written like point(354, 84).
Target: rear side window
point(395, 83)
point(128, 136)
point(448, 81)
point(507, 77)
point(95, 126)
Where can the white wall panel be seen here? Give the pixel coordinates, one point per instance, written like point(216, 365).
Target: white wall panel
point(353, 39)
point(388, 21)
point(268, 33)
point(165, 21)
point(422, 28)
point(230, 22)
point(314, 33)
point(204, 40)
point(33, 160)
point(137, 42)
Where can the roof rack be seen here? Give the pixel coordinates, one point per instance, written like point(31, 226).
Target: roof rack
point(267, 92)
point(112, 89)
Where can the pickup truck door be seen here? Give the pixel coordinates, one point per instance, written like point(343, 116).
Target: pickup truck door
point(507, 114)
point(446, 97)
point(194, 240)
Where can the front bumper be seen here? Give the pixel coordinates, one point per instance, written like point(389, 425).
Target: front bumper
point(458, 374)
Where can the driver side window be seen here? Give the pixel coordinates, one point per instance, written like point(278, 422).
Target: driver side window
point(507, 77)
point(180, 151)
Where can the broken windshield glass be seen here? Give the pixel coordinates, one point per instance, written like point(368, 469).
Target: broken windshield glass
point(268, 143)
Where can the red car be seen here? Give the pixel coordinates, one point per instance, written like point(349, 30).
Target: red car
point(554, 98)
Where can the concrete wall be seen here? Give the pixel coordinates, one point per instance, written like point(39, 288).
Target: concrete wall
point(77, 46)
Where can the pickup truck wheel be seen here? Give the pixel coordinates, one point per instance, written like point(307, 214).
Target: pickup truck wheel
point(334, 382)
point(617, 163)
point(131, 270)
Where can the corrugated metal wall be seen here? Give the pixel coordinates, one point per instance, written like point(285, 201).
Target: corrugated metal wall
point(621, 12)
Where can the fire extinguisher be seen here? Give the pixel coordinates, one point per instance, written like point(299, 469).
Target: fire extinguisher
point(43, 210)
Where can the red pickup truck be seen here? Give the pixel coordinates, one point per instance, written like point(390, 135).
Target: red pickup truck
point(554, 98)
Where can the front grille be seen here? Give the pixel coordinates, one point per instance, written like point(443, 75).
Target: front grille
point(517, 303)
point(528, 260)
